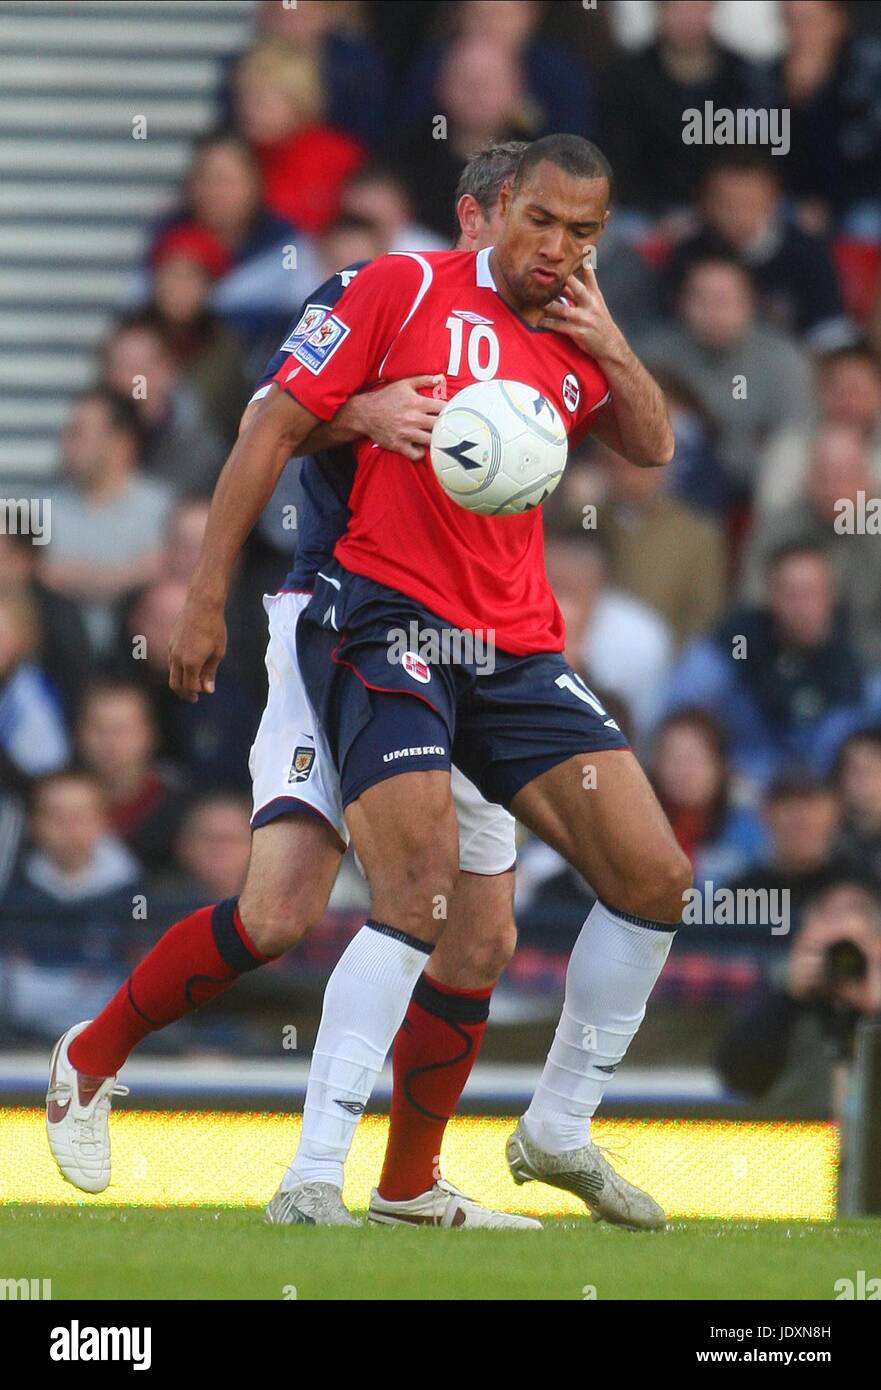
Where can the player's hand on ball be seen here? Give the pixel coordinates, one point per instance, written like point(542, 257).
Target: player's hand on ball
point(196, 650)
point(398, 417)
point(585, 318)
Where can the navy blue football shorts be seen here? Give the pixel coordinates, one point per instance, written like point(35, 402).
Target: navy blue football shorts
point(398, 689)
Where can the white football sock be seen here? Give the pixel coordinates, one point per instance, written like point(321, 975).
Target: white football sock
point(364, 1005)
point(612, 970)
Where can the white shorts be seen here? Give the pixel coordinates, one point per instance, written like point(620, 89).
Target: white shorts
point(292, 768)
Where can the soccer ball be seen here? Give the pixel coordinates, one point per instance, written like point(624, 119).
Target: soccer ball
point(499, 447)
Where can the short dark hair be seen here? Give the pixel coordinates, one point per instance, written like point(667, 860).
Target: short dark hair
point(571, 153)
point(109, 686)
point(121, 410)
point(787, 550)
point(793, 782)
point(714, 253)
point(352, 222)
point(858, 351)
point(743, 159)
point(74, 772)
point(486, 172)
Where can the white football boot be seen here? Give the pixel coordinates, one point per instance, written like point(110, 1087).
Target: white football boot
point(444, 1205)
point(309, 1204)
point(589, 1174)
point(77, 1126)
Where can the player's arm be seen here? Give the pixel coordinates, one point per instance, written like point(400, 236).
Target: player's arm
point(635, 422)
point(396, 417)
point(276, 429)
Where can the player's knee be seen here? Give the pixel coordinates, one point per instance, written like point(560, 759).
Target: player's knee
point(658, 892)
point(670, 881)
point(487, 955)
point(413, 892)
point(277, 923)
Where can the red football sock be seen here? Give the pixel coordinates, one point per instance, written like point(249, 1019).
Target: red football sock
point(197, 959)
point(435, 1049)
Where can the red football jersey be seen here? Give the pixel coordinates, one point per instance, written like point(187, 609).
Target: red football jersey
point(439, 312)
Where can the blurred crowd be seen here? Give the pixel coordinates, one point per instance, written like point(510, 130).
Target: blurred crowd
point(728, 609)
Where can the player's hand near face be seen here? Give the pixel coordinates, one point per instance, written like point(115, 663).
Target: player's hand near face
point(585, 318)
point(634, 423)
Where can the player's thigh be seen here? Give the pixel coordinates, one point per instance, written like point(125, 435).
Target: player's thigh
point(599, 811)
point(403, 828)
point(294, 862)
point(479, 935)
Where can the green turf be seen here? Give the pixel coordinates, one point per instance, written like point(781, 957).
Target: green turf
point(230, 1253)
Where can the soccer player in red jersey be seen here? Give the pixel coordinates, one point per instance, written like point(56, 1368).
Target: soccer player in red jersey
point(527, 732)
point(298, 839)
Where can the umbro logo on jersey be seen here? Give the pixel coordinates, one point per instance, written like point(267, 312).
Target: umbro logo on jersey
point(470, 317)
point(354, 1107)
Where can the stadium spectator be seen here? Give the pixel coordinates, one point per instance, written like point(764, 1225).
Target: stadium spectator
point(65, 910)
point(351, 238)
point(839, 474)
point(273, 263)
point(179, 445)
point(187, 262)
point(480, 96)
point(211, 849)
point(63, 650)
point(33, 739)
point(630, 286)
point(692, 778)
point(791, 1046)
point(246, 639)
point(829, 79)
point(661, 550)
point(279, 103)
point(116, 739)
point(211, 738)
point(352, 68)
point(108, 517)
point(801, 813)
point(750, 379)
point(743, 214)
point(559, 87)
point(619, 645)
point(645, 95)
point(783, 679)
point(847, 388)
point(858, 777)
point(377, 193)
point(73, 857)
point(694, 474)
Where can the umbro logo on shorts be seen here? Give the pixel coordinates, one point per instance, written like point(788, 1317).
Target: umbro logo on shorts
point(413, 752)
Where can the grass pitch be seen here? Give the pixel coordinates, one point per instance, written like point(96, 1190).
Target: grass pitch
point(230, 1253)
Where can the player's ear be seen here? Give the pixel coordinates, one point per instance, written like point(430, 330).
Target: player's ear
point(470, 216)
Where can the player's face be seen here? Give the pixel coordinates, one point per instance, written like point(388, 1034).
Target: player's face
point(546, 229)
